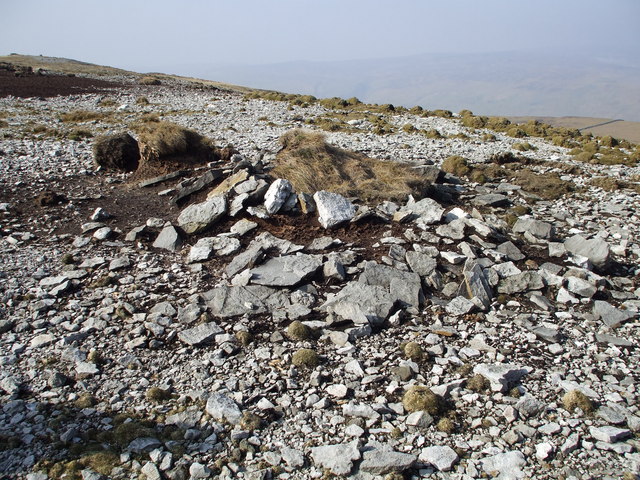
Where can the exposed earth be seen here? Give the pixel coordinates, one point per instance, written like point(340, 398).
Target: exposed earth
point(151, 328)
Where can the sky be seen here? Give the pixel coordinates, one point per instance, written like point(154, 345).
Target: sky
point(161, 34)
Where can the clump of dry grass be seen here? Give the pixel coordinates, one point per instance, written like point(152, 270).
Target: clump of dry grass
point(311, 164)
point(456, 165)
point(77, 116)
point(576, 399)
point(149, 80)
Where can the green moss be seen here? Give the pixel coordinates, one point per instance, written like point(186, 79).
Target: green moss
point(299, 331)
point(67, 259)
point(86, 400)
point(446, 425)
point(250, 421)
point(157, 394)
point(305, 357)
point(576, 399)
point(478, 383)
point(419, 398)
point(413, 351)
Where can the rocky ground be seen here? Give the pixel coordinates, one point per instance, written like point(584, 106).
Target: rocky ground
point(159, 329)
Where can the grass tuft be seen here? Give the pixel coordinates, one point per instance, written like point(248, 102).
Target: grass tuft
point(311, 164)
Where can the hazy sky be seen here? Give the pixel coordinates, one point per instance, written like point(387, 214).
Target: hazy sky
point(143, 35)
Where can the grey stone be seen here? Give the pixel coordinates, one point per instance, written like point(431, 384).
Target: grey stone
point(168, 239)
point(512, 252)
point(223, 408)
point(200, 335)
point(521, 282)
point(421, 263)
point(292, 457)
point(460, 306)
point(119, 263)
point(380, 462)
point(143, 444)
point(277, 194)
point(406, 287)
point(610, 315)
point(134, 233)
point(162, 178)
point(492, 200)
point(581, 287)
point(477, 285)
point(200, 216)
point(536, 228)
point(286, 271)
point(185, 419)
point(442, 457)
point(361, 303)
point(613, 340)
point(529, 406)
point(246, 259)
point(333, 269)
point(151, 472)
point(609, 434)
point(419, 419)
point(333, 209)
point(507, 465)
point(427, 210)
point(199, 184)
point(225, 301)
point(242, 227)
point(198, 470)
point(337, 458)
point(501, 376)
point(596, 249)
point(11, 385)
point(454, 229)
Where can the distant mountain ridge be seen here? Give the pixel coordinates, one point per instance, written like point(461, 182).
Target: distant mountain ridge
point(597, 84)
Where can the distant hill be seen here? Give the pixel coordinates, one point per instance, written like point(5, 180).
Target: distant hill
point(590, 84)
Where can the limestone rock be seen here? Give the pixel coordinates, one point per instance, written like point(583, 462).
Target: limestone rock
point(223, 408)
point(200, 216)
point(380, 462)
point(337, 458)
point(286, 271)
point(333, 209)
point(501, 375)
point(596, 249)
point(277, 195)
point(441, 457)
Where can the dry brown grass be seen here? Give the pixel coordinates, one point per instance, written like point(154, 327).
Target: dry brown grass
point(77, 116)
point(166, 146)
point(311, 164)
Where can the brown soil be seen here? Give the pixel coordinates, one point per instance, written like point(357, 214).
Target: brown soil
point(48, 85)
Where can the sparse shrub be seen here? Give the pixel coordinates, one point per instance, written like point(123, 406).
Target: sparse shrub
point(86, 400)
point(523, 147)
point(446, 425)
point(433, 133)
point(299, 331)
point(606, 183)
point(472, 121)
point(489, 137)
point(142, 101)
point(516, 132)
point(305, 357)
point(116, 152)
point(250, 421)
point(413, 351)
point(149, 80)
point(157, 394)
point(608, 141)
point(478, 383)
point(583, 157)
point(419, 398)
point(107, 102)
point(456, 165)
point(576, 399)
point(79, 134)
point(67, 259)
point(82, 116)
point(245, 338)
